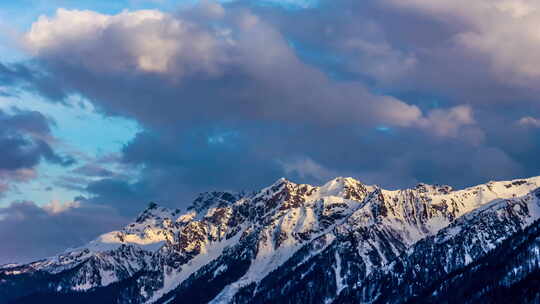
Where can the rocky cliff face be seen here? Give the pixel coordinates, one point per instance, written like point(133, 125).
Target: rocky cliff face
point(341, 242)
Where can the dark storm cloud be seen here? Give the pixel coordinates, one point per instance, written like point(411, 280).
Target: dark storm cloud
point(29, 232)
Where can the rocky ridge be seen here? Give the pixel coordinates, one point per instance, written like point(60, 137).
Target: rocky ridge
point(289, 243)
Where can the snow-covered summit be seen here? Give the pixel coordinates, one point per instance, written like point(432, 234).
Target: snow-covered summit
point(153, 213)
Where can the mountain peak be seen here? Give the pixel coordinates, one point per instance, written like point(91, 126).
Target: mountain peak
point(206, 200)
point(346, 187)
point(342, 181)
point(280, 181)
point(154, 210)
point(238, 245)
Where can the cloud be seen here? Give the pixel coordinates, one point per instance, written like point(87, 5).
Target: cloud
point(162, 43)
point(55, 207)
point(378, 59)
point(233, 69)
point(529, 122)
point(449, 122)
point(25, 140)
point(127, 197)
point(25, 76)
point(9, 178)
point(207, 63)
point(29, 232)
point(499, 31)
point(232, 98)
point(305, 169)
point(93, 170)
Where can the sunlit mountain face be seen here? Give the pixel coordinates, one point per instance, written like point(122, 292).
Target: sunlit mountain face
point(106, 106)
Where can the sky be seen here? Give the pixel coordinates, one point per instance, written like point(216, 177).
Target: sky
point(106, 106)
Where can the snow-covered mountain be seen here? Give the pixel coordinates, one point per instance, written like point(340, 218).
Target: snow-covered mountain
point(343, 242)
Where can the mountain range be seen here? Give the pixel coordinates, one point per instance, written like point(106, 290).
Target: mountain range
point(342, 242)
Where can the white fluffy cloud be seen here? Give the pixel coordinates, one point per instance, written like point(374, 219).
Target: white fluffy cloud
point(371, 54)
point(448, 122)
point(505, 32)
point(529, 122)
point(145, 40)
point(306, 168)
point(210, 47)
point(56, 206)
